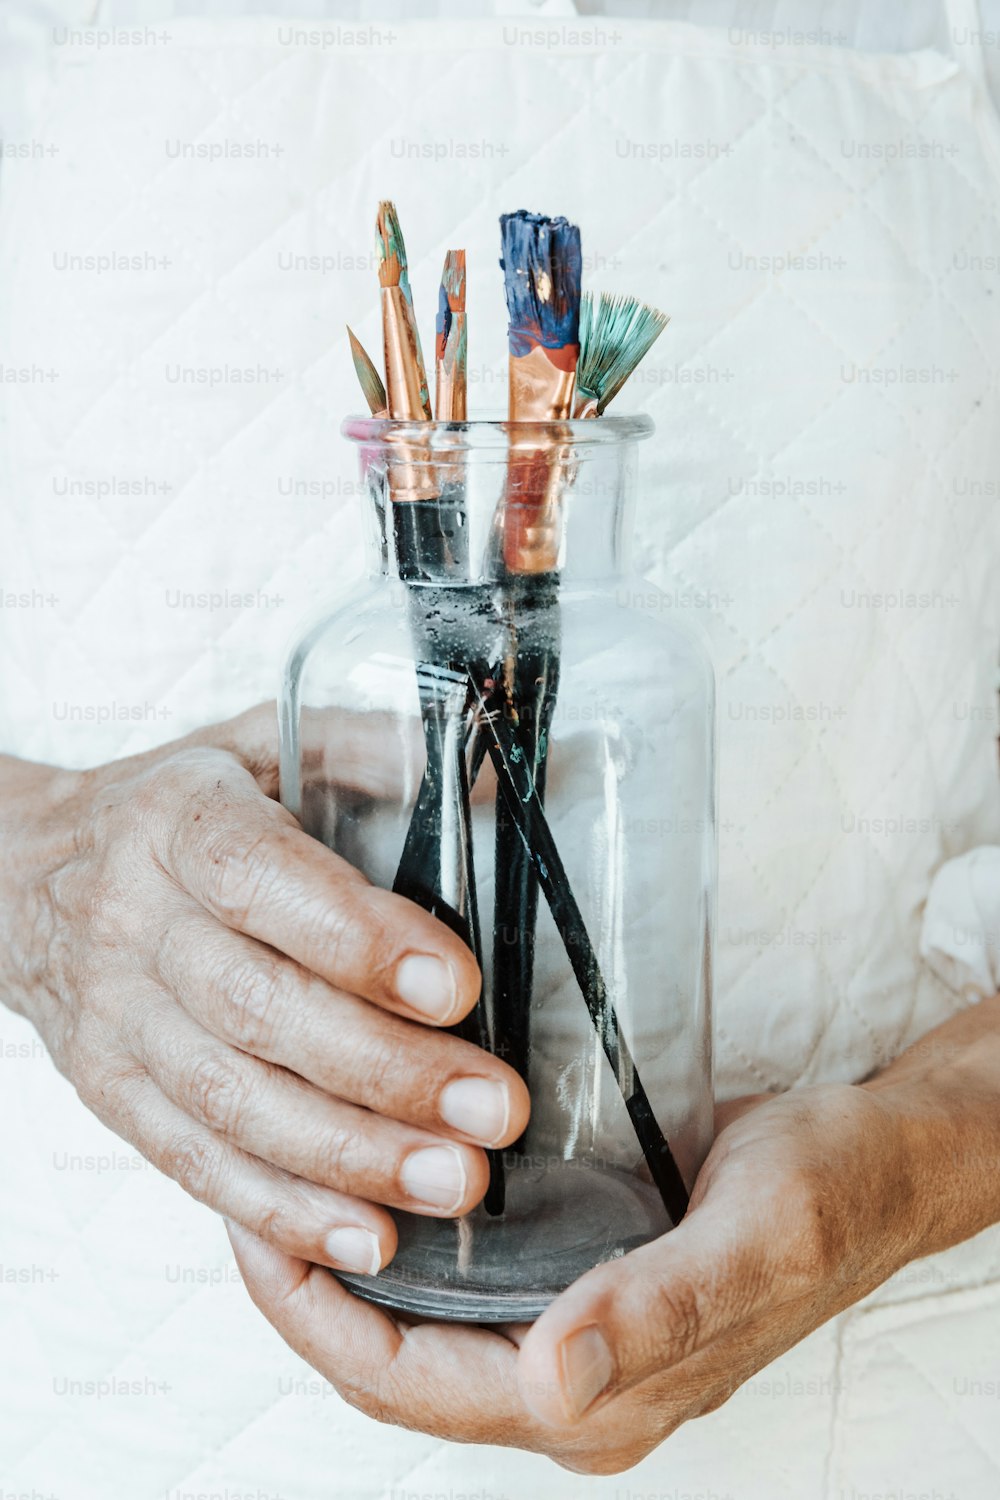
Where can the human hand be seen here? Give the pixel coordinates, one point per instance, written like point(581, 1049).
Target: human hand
point(238, 1002)
point(806, 1202)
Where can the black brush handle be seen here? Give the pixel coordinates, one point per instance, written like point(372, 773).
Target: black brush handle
point(428, 538)
point(536, 676)
point(510, 765)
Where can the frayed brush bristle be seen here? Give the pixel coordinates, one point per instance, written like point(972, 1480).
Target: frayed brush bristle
point(451, 296)
point(543, 269)
point(368, 376)
point(453, 280)
point(390, 246)
point(614, 337)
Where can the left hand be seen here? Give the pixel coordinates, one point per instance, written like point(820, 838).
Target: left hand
point(806, 1202)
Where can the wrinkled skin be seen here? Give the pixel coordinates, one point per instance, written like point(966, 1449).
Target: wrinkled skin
point(225, 993)
point(767, 1252)
point(807, 1201)
point(240, 1004)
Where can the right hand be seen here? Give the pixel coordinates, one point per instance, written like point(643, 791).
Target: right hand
point(240, 1003)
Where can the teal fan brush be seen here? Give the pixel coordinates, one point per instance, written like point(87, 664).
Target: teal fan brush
point(614, 337)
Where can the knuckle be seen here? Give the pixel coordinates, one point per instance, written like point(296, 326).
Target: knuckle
point(382, 1074)
point(186, 772)
point(251, 994)
point(676, 1317)
point(151, 790)
point(335, 1156)
point(191, 1162)
point(239, 876)
point(341, 932)
point(204, 765)
point(281, 1224)
point(356, 935)
point(395, 1079)
point(217, 1092)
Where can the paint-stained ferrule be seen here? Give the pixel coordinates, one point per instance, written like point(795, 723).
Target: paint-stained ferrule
point(451, 343)
point(405, 376)
point(543, 270)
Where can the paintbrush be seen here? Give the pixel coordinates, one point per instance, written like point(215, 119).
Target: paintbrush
point(373, 391)
point(406, 378)
point(437, 841)
point(614, 336)
point(369, 378)
point(436, 867)
point(451, 344)
point(424, 557)
point(542, 267)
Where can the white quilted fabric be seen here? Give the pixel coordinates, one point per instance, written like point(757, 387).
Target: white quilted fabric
point(961, 931)
point(831, 520)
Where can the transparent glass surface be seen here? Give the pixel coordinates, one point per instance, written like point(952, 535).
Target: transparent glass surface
point(506, 725)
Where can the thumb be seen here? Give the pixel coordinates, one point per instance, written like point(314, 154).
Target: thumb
point(632, 1318)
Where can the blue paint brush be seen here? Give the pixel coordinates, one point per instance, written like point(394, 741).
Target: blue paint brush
point(542, 264)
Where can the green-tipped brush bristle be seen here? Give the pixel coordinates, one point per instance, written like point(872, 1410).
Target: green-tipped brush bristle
point(391, 248)
point(393, 269)
point(614, 336)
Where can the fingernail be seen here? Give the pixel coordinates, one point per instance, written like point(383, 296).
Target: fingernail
point(478, 1107)
point(586, 1367)
point(427, 984)
point(435, 1176)
point(354, 1250)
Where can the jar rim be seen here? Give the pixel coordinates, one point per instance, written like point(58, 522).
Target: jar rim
point(499, 433)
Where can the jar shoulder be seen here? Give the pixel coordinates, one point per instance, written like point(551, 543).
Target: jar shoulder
point(626, 618)
point(330, 614)
point(636, 614)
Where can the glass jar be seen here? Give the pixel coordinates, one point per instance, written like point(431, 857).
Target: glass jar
point(539, 773)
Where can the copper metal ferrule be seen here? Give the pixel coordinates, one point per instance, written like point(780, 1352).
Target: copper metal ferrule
point(407, 396)
point(405, 384)
point(540, 391)
point(450, 388)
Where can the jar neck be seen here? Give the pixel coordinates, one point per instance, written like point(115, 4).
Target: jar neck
point(471, 516)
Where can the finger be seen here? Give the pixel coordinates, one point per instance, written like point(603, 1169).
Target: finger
point(253, 998)
point(277, 1117)
point(375, 753)
point(252, 738)
point(630, 1319)
point(245, 860)
point(450, 1381)
point(296, 1216)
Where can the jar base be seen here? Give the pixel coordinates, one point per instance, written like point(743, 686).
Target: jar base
point(559, 1222)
